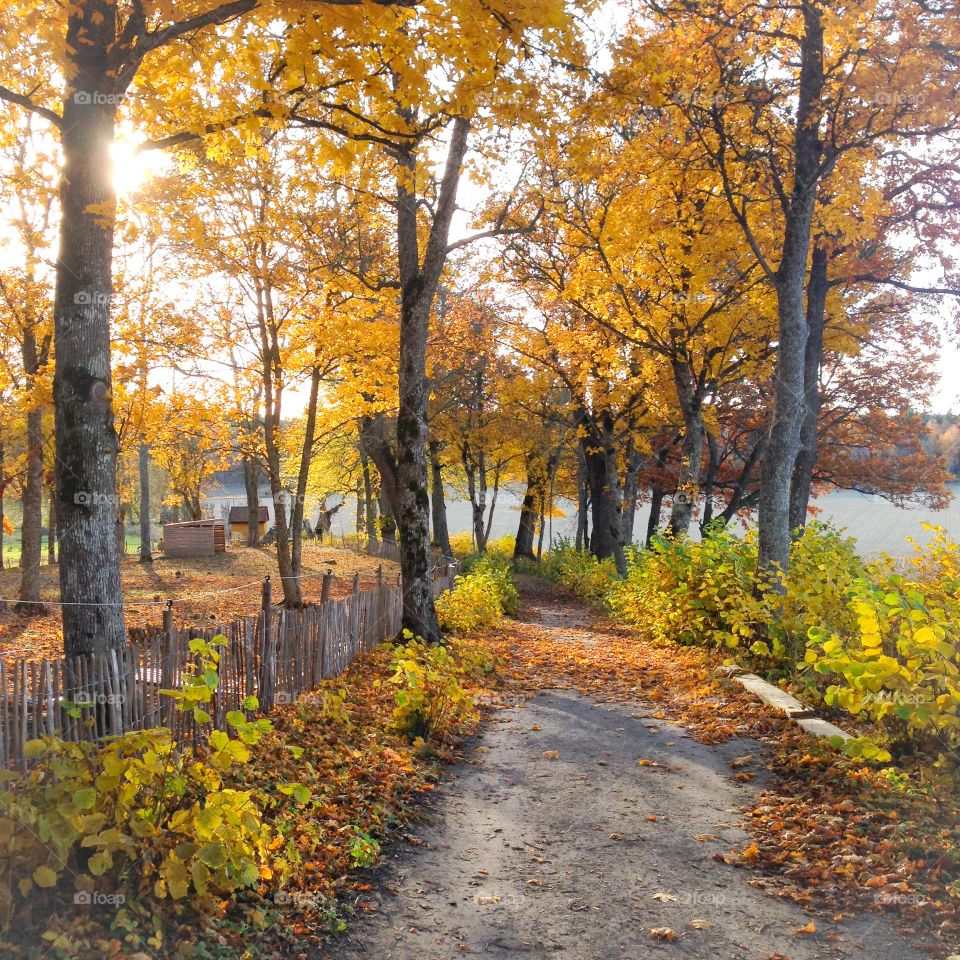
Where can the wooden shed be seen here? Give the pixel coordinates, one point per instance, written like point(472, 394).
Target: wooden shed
point(195, 538)
point(239, 523)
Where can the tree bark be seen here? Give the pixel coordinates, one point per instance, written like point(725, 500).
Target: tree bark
point(583, 501)
point(251, 485)
point(146, 554)
point(656, 508)
point(51, 528)
point(369, 503)
point(690, 397)
point(438, 503)
point(807, 455)
point(86, 442)
point(31, 541)
point(600, 456)
point(783, 442)
point(418, 287)
point(523, 547)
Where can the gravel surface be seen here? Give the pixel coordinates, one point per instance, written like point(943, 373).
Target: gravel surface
point(552, 839)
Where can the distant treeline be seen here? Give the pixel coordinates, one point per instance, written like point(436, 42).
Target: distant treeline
point(943, 437)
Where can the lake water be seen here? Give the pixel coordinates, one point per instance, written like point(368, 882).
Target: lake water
point(877, 525)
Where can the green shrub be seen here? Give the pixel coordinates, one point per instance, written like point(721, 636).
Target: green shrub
point(896, 662)
point(137, 812)
point(579, 571)
point(431, 702)
point(480, 597)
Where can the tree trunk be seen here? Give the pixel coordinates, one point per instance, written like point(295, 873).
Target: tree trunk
point(653, 521)
point(600, 456)
point(251, 484)
point(121, 531)
point(86, 442)
point(51, 528)
point(783, 442)
point(583, 501)
point(146, 554)
point(438, 503)
point(690, 399)
point(369, 504)
point(418, 288)
point(303, 476)
point(807, 456)
point(493, 507)
point(708, 482)
point(31, 542)
point(523, 547)
point(630, 491)
point(478, 497)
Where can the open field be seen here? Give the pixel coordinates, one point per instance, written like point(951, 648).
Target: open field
point(204, 590)
point(877, 525)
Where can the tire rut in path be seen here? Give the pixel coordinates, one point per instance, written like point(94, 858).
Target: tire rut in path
point(579, 854)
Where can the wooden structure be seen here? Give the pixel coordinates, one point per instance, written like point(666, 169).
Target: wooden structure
point(276, 656)
point(194, 538)
point(239, 523)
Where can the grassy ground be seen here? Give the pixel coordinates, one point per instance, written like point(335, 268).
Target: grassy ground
point(205, 591)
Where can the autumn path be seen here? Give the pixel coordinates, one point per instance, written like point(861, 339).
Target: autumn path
point(554, 839)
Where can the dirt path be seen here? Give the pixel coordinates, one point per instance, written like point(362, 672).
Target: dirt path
point(574, 829)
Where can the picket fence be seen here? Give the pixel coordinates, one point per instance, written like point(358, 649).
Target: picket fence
point(275, 656)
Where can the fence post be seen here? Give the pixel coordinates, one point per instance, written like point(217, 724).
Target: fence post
point(355, 626)
point(325, 586)
point(168, 664)
point(268, 665)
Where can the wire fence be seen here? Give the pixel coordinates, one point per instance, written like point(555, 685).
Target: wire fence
point(274, 656)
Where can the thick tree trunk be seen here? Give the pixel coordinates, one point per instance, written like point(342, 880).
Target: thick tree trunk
point(600, 456)
point(807, 456)
point(31, 542)
point(418, 287)
point(438, 503)
point(146, 554)
point(251, 486)
point(523, 548)
point(86, 442)
point(783, 442)
point(690, 398)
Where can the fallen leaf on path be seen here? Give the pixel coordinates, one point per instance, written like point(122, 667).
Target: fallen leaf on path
point(664, 897)
point(810, 928)
point(738, 762)
point(486, 900)
point(551, 754)
point(663, 933)
point(699, 923)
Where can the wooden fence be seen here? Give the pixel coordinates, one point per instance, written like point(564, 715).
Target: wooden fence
point(275, 656)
